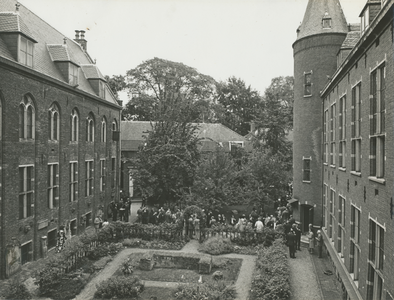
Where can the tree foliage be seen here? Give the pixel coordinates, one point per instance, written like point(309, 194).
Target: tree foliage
point(156, 82)
point(167, 162)
point(116, 83)
point(237, 104)
point(274, 118)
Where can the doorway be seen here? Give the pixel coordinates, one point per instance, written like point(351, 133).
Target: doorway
point(306, 216)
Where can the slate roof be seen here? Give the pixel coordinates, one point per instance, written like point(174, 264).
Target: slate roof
point(314, 14)
point(49, 46)
point(212, 134)
point(351, 40)
point(92, 72)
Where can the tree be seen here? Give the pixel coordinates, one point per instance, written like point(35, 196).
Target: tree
point(156, 82)
point(116, 83)
point(238, 104)
point(166, 164)
point(274, 118)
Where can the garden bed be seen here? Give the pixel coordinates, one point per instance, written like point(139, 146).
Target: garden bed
point(228, 266)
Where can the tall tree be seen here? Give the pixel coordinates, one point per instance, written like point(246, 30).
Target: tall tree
point(158, 81)
point(274, 118)
point(237, 104)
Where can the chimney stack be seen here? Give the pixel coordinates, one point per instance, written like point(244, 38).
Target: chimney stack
point(80, 39)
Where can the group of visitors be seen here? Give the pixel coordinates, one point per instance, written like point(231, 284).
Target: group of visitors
point(293, 239)
point(157, 215)
point(119, 210)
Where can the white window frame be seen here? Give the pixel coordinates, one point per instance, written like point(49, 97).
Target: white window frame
point(26, 51)
point(74, 125)
point(89, 177)
point(25, 192)
point(53, 185)
point(102, 174)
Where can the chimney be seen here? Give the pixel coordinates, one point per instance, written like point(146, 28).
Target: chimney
point(252, 127)
point(80, 39)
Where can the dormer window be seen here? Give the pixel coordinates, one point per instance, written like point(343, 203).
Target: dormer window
point(73, 75)
point(364, 19)
point(26, 51)
point(102, 89)
point(326, 21)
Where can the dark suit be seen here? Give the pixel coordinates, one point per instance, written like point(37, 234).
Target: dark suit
point(291, 243)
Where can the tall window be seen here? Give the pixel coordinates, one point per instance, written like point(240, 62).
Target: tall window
point(355, 248)
point(89, 171)
point(103, 131)
point(342, 132)
point(26, 191)
point(377, 122)
point(27, 119)
point(26, 52)
point(73, 181)
point(332, 213)
point(375, 261)
point(332, 134)
point(102, 89)
point(53, 185)
point(325, 205)
point(53, 122)
point(102, 174)
point(90, 129)
point(325, 137)
point(341, 224)
point(356, 129)
point(308, 84)
point(113, 171)
point(306, 169)
point(74, 125)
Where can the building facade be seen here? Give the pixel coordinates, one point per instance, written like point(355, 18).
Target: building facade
point(59, 142)
point(353, 201)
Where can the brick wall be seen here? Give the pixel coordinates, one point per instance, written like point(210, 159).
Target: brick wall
point(41, 151)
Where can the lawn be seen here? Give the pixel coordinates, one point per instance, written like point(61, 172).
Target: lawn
point(158, 292)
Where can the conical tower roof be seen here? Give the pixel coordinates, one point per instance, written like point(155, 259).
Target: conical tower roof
point(316, 11)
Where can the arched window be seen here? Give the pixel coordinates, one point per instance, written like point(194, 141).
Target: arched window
point(26, 118)
point(74, 125)
point(90, 128)
point(54, 122)
point(115, 131)
point(103, 130)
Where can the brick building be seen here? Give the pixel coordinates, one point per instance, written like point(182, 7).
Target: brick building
point(343, 141)
point(60, 147)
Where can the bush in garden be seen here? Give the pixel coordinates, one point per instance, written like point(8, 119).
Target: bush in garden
point(217, 245)
point(17, 290)
point(211, 290)
point(48, 279)
point(122, 287)
point(127, 267)
point(272, 278)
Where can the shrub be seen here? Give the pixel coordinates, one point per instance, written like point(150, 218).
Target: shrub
point(211, 290)
point(127, 267)
point(98, 252)
point(17, 290)
point(272, 278)
point(216, 245)
point(120, 287)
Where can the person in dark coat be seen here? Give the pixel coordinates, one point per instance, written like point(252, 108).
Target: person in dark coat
point(319, 239)
point(297, 230)
point(291, 242)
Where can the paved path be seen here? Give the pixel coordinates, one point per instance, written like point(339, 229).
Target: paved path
point(242, 285)
point(303, 283)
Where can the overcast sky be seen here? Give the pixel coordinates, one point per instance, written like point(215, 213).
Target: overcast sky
point(248, 39)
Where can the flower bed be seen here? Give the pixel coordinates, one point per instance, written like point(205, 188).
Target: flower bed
point(272, 274)
point(156, 244)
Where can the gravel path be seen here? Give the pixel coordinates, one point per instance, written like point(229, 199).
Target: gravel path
point(242, 285)
point(303, 282)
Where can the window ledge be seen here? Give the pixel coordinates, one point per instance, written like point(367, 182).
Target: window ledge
point(325, 164)
point(355, 173)
point(378, 180)
point(53, 141)
point(307, 96)
point(26, 140)
point(306, 181)
point(73, 142)
point(342, 169)
point(332, 166)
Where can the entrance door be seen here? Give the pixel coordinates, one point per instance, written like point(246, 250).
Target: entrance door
point(306, 217)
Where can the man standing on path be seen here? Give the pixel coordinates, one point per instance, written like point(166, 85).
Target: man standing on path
point(297, 231)
point(319, 239)
point(291, 242)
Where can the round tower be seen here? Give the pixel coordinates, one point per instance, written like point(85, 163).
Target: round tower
point(319, 38)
